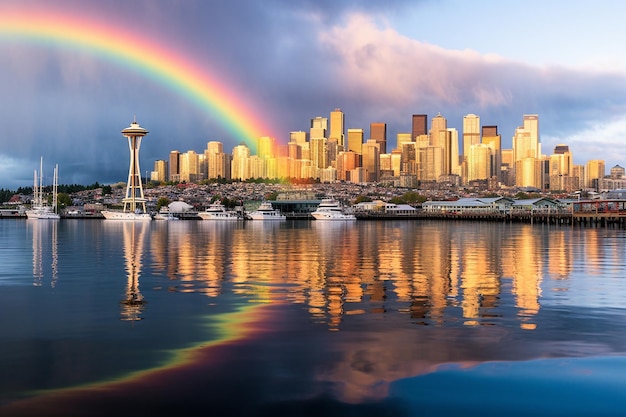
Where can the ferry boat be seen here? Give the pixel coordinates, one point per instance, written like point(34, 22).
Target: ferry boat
point(217, 211)
point(331, 209)
point(266, 212)
point(39, 209)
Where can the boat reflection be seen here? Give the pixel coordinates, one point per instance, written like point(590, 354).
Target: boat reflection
point(41, 232)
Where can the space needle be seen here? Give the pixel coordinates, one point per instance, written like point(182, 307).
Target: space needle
point(134, 200)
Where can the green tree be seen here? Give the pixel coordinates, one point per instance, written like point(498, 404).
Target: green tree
point(162, 202)
point(63, 200)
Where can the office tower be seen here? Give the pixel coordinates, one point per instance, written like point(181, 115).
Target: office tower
point(189, 166)
point(491, 138)
point(218, 162)
point(319, 154)
point(402, 138)
point(396, 162)
point(617, 172)
point(337, 127)
point(478, 162)
point(561, 161)
point(419, 125)
point(595, 171)
point(160, 171)
point(347, 161)
point(429, 163)
point(239, 165)
point(526, 145)
point(371, 160)
point(455, 166)
point(471, 132)
point(440, 137)
point(507, 167)
point(174, 166)
point(295, 150)
point(355, 140)
point(378, 132)
point(408, 159)
point(299, 137)
point(266, 147)
point(319, 126)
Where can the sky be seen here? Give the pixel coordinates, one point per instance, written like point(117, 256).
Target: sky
point(74, 73)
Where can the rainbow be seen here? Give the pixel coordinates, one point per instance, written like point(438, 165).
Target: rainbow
point(141, 54)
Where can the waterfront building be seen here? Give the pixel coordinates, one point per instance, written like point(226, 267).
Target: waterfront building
point(337, 127)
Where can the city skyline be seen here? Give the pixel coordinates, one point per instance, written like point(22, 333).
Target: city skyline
point(475, 157)
point(264, 70)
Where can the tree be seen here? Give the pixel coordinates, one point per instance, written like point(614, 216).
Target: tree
point(162, 202)
point(63, 200)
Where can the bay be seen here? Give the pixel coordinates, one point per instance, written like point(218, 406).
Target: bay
point(311, 318)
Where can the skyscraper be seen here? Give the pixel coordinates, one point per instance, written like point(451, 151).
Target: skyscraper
point(471, 132)
point(419, 125)
point(371, 160)
point(174, 166)
point(337, 127)
point(526, 153)
point(491, 138)
point(355, 140)
point(378, 132)
point(319, 127)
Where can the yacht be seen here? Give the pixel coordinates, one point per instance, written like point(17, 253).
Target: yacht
point(331, 209)
point(39, 209)
point(217, 211)
point(126, 215)
point(267, 213)
point(165, 214)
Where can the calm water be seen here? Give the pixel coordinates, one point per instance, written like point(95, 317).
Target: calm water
point(404, 318)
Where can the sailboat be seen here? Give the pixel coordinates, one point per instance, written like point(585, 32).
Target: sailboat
point(39, 209)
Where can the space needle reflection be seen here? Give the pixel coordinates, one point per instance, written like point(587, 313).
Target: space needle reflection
point(133, 304)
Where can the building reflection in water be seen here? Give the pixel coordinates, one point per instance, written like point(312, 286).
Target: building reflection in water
point(471, 283)
point(433, 272)
point(133, 233)
point(45, 232)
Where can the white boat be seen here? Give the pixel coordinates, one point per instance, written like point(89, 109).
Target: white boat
point(331, 209)
point(39, 209)
point(217, 211)
point(126, 215)
point(267, 213)
point(165, 214)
